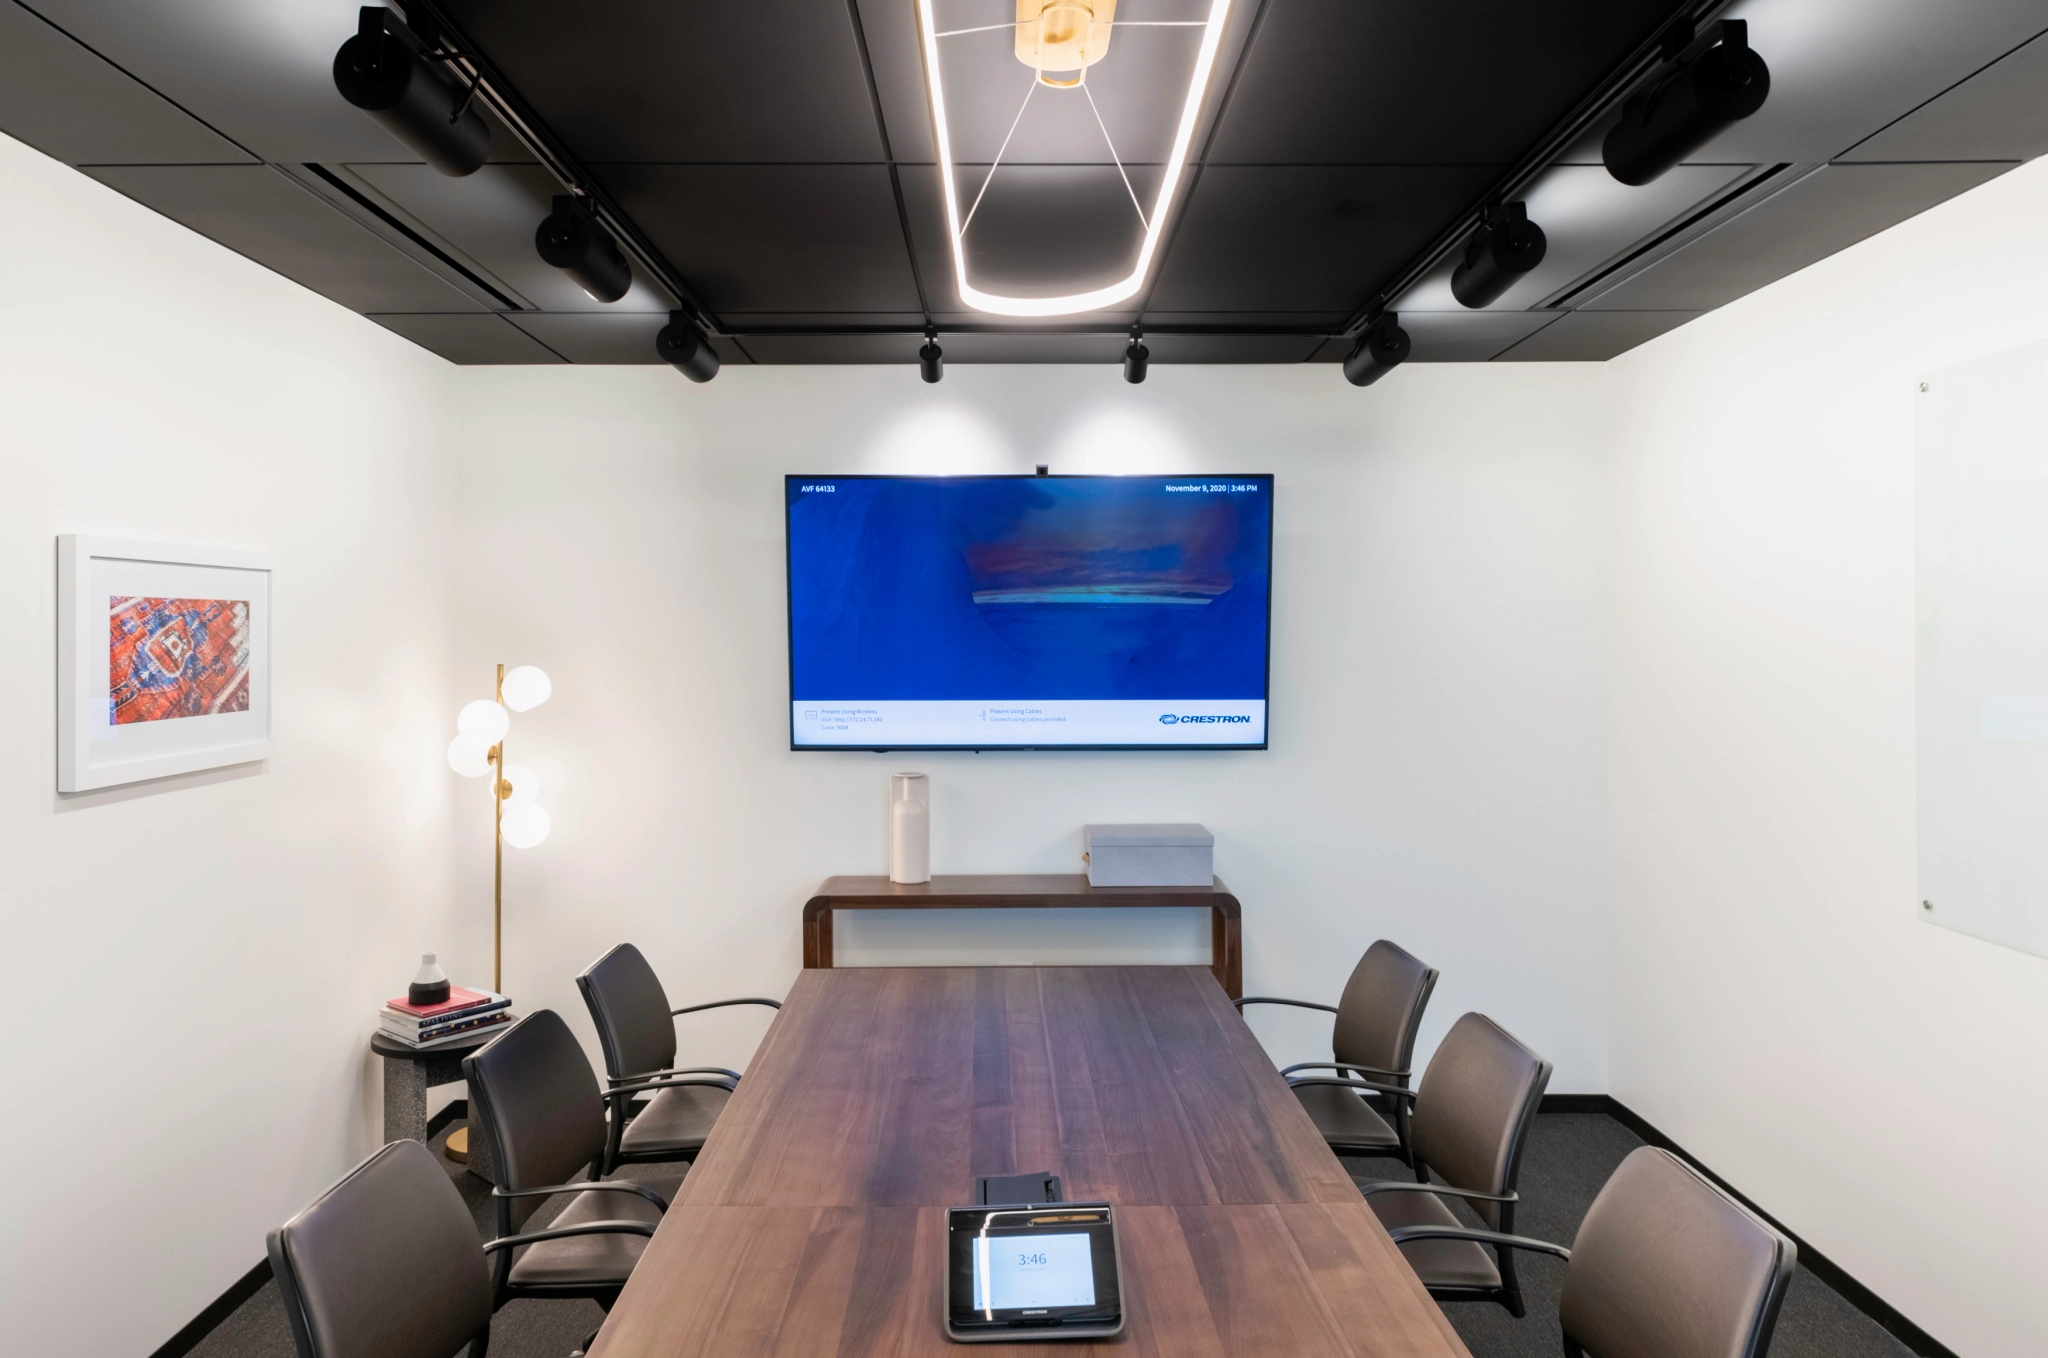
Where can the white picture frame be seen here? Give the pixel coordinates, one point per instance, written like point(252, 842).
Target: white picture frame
point(188, 630)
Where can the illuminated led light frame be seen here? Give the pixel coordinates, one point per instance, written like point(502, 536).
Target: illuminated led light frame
point(996, 303)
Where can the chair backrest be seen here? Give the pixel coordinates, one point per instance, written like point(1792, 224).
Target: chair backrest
point(631, 1012)
point(538, 1101)
point(385, 1264)
point(1474, 1108)
point(1667, 1264)
point(1381, 1008)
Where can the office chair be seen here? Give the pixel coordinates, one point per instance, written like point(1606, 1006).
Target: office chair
point(1373, 1034)
point(1665, 1265)
point(1472, 1115)
point(637, 1030)
point(387, 1264)
point(534, 1095)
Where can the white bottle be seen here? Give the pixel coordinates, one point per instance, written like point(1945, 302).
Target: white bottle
point(910, 829)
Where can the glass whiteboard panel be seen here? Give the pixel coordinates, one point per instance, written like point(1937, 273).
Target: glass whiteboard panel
point(1981, 509)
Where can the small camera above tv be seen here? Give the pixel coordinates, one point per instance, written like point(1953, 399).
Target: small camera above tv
point(1029, 612)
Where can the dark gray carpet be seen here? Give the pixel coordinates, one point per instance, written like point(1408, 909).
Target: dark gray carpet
point(1569, 1156)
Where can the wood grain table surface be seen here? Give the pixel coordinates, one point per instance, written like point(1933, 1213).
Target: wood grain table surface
point(814, 1220)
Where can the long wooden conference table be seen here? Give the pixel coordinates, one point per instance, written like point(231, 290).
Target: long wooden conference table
point(814, 1221)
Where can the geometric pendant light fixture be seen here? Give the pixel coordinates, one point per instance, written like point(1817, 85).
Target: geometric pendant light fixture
point(1063, 41)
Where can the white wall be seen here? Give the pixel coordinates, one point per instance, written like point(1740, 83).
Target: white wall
point(190, 967)
point(1878, 1083)
point(1436, 774)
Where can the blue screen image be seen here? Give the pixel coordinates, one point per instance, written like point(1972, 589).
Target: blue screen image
point(991, 610)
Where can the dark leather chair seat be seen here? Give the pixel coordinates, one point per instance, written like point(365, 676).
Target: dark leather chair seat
point(1439, 1263)
point(1347, 1122)
point(591, 1260)
point(675, 1120)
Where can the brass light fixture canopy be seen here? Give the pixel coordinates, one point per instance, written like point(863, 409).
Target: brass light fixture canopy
point(1061, 39)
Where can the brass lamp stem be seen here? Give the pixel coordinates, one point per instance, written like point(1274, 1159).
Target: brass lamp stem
point(498, 854)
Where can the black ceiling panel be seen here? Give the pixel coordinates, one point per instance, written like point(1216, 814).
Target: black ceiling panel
point(260, 73)
point(1842, 69)
point(1829, 210)
point(489, 219)
point(1304, 238)
point(771, 161)
point(257, 211)
point(1340, 82)
point(1469, 336)
point(775, 237)
point(477, 337)
point(663, 80)
point(60, 98)
point(1594, 336)
point(1997, 114)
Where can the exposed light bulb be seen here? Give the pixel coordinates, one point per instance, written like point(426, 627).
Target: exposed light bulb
point(483, 722)
point(523, 785)
point(524, 826)
point(526, 688)
point(468, 758)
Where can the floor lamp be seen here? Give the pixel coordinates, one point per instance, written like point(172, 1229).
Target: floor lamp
point(479, 749)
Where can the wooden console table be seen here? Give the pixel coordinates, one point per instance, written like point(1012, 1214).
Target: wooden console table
point(1025, 891)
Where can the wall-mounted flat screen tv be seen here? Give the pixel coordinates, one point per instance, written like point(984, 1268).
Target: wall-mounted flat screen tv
point(1029, 612)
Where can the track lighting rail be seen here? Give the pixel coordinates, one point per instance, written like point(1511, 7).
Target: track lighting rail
point(434, 26)
point(1646, 64)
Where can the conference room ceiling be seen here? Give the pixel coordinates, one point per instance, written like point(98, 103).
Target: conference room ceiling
point(777, 157)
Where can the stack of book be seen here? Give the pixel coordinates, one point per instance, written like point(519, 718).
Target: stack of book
point(463, 1016)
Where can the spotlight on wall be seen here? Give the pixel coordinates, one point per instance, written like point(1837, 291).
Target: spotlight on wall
point(683, 346)
point(1137, 358)
point(571, 240)
point(1505, 248)
point(1381, 349)
point(931, 360)
point(382, 73)
point(1687, 108)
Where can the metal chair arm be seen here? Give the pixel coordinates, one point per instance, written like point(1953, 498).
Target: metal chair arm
point(732, 1075)
point(1347, 1065)
point(720, 1004)
point(628, 1091)
point(1388, 1090)
point(1399, 1186)
point(1275, 999)
point(513, 1242)
point(594, 1185)
point(1403, 1234)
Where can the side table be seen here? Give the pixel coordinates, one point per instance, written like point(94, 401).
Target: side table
point(408, 1073)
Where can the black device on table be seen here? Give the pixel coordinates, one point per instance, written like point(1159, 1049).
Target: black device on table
point(1037, 1268)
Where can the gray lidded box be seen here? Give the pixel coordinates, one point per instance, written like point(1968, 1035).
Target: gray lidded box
point(1149, 855)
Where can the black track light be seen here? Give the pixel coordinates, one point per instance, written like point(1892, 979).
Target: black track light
point(683, 346)
point(1505, 248)
point(1688, 108)
point(1381, 349)
point(1137, 358)
point(573, 242)
point(380, 72)
point(931, 360)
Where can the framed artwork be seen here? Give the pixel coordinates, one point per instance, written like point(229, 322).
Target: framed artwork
point(163, 660)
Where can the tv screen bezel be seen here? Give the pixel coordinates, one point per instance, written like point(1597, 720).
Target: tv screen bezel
point(789, 608)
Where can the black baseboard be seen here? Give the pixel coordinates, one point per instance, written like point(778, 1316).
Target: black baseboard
point(223, 1306)
point(1827, 1270)
point(250, 1283)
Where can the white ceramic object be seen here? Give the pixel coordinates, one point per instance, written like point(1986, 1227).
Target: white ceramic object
point(910, 829)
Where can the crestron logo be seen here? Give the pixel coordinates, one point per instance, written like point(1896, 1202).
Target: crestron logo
point(1169, 719)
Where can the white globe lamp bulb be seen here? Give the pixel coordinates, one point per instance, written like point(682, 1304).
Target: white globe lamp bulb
point(523, 785)
point(468, 758)
point(524, 826)
point(526, 688)
point(483, 722)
